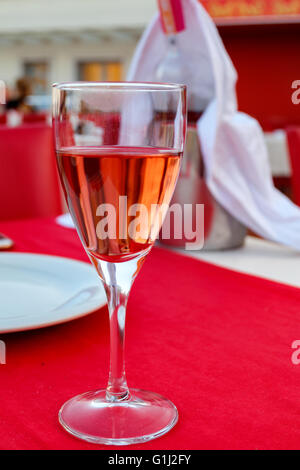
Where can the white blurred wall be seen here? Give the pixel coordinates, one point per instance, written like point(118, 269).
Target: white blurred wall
point(66, 32)
point(38, 15)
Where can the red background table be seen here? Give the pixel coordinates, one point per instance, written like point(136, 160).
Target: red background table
point(216, 342)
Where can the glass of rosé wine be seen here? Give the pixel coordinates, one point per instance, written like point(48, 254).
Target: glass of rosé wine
point(119, 148)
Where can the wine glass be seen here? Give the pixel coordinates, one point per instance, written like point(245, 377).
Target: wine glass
point(119, 148)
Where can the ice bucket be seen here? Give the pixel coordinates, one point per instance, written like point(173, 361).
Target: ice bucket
point(221, 230)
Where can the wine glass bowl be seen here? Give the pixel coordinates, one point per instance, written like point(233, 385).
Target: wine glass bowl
point(119, 148)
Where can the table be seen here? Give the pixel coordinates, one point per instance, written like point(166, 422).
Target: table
point(257, 257)
point(214, 341)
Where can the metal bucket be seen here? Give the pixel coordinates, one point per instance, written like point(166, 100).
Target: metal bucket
point(221, 230)
point(225, 232)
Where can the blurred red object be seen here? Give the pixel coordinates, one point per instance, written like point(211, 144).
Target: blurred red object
point(293, 139)
point(29, 185)
point(34, 117)
point(2, 119)
point(109, 123)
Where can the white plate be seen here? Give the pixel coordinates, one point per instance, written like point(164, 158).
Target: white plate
point(41, 290)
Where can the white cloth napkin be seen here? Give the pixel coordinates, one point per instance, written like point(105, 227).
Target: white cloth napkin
point(238, 173)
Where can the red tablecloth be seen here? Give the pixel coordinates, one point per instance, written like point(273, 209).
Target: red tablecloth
point(216, 342)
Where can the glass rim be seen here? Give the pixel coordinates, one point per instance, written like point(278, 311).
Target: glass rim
point(119, 86)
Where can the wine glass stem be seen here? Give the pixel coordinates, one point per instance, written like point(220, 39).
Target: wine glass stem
point(117, 280)
point(117, 389)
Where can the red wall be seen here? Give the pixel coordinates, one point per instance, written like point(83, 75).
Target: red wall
point(267, 59)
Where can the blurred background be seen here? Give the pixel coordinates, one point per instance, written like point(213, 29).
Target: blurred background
point(66, 40)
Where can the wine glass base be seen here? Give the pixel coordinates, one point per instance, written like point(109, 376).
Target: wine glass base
point(142, 417)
